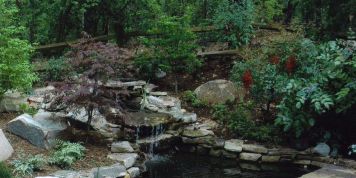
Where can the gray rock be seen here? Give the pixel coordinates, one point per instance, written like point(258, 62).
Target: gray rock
point(160, 74)
point(5, 147)
point(322, 149)
point(169, 105)
point(11, 101)
point(197, 133)
point(254, 148)
point(126, 159)
point(158, 93)
point(134, 172)
point(234, 145)
point(270, 159)
point(121, 147)
point(189, 117)
point(208, 140)
point(66, 174)
point(250, 157)
point(41, 132)
point(217, 92)
point(230, 155)
point(249, 166)
point(302, 162)
point(202, 150)
point(116, 170)
point(98, 123)
point(215, 152)
point(331, 172)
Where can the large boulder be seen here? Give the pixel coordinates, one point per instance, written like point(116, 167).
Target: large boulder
point(217, 92)
point(98, 122)
point(169, 105)
point(11, 101)
point(5, 147)
point(322, 149)
point(41, 131)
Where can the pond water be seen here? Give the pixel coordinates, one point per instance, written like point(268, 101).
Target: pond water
point(182, 165)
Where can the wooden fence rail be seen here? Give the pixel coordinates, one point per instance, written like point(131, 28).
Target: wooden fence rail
point(134, 34)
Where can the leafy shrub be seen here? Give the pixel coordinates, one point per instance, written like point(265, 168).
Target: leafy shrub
point(15, 68)
point(190, 96)
point(268, 10)
point(303, 80)
point(235, 18)
point(26, 165)
point(5, 172)
point(58, 69)
point(67, 153)
point(239, 119)
point(174, 50)
point(26, 108)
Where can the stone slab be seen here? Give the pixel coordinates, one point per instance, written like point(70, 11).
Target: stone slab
point(331, 172)
point(6, 149)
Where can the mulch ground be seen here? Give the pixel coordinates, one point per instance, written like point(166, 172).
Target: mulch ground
point(96, 156)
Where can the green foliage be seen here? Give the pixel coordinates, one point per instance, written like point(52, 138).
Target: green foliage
point(173, 50)
point(268, 10)
point(15, 68)
point(58, 69)
point(191, 97)
point(304, 80)
point(26, 165)
point(5, 171)
point(235, 18)
point(239, 119)
point(325, 82)
point(67, 153)
point(26, 108)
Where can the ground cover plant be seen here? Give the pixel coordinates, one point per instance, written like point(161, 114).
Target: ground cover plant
point(66, 153)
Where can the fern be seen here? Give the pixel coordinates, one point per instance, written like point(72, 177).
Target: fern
point(26, 165)
point(66, 154)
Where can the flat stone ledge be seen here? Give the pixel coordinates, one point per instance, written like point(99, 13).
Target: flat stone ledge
point(331, 172)
point(270, 159)
point(254, 148)
point(250, 157)
point(234, 145)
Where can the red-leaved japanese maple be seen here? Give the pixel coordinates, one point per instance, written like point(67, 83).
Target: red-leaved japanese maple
point(95, 63)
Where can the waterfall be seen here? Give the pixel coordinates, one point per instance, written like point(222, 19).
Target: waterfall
point(154, 141)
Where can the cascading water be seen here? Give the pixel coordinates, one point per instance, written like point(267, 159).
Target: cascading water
point(154, 142)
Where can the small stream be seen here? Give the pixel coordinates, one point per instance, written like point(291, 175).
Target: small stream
point(184, 165)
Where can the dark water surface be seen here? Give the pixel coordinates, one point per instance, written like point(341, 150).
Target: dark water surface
point(193, 166)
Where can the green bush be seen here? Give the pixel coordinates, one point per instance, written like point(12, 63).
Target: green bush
point(303, 80)
point(26, 165)
point(58, 69)
point(190, 96)
point(239, 119)
point(5, 172)
point(66, 153)
point(174, 50)
point(26, 108)
point(268, 10)
point(235, 18)
point(15, 68)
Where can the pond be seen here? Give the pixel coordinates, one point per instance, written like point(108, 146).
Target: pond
point(184, 165)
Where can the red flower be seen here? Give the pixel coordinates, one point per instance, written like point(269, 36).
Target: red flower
point(247, 79)
point(291, 64)
point(275, 59)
